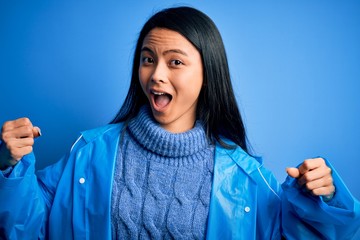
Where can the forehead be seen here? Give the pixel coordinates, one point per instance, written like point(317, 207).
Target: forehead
point(161, 38)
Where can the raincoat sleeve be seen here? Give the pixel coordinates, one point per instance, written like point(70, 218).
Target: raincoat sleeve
point(26, 199)
point(308, 217)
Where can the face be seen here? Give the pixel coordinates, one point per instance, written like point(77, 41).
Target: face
point(171, 76)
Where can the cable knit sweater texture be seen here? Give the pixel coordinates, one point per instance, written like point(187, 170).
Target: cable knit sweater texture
point(162, 182)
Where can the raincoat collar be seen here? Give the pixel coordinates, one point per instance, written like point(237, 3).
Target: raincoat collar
point(240, 157)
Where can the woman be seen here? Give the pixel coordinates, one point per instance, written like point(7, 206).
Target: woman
point(174, 163)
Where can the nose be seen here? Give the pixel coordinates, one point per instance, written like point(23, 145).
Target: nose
point(159, 73)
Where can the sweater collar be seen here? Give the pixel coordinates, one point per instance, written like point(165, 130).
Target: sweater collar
point(153, 137)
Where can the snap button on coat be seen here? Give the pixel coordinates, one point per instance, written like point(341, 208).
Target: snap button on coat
point(82, 180)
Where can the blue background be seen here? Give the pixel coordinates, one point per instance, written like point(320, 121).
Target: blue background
point(295, 67)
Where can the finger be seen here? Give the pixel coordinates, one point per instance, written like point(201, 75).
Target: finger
point(324, 191)
point(318, 173)
point(36, 132)
point(19, 132)
point(18, 153)
point(310, 164)
point(293, 172)
point(319, 183)
point(9, 125)
point(26, 131)
point(19, 143)
point(17, 148)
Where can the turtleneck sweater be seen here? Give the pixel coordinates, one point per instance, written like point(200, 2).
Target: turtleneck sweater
point(162, 182)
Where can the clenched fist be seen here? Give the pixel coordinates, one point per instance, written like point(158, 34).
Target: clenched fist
point(18, 138)
point(315, 176)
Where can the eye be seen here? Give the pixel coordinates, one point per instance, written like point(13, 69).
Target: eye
point(176, 62)
point(147, 60)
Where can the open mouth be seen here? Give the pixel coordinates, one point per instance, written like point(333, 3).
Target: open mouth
point(161, 99)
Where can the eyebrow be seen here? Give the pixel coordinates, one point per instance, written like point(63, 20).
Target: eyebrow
point(146, 49)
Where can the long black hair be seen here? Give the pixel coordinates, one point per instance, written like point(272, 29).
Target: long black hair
point(217, 107)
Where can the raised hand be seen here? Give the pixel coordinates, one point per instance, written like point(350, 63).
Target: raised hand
point(18, 140)
point(315, 176)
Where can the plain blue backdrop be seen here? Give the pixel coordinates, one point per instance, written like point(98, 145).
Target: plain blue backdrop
point(295, 67)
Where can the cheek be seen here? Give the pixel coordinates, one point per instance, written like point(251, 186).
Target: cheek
point(191, 88)
point(196, 82)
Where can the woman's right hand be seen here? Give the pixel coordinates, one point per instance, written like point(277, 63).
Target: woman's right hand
point(18, 138)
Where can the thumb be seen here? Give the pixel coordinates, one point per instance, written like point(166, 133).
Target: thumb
point(36, 132)
point(293, 172)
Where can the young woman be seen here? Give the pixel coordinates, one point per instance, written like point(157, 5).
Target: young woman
point(174, 163)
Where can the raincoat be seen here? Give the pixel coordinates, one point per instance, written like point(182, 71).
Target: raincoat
point(72, 198)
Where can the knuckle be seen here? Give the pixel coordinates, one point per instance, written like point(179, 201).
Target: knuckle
point(28, 129)
point(14, 152)
point(29, 149)
point(321, 160)
point(307, 163)
point(5, 136)
point(324, 181)
point(309, 186)
point(330, 181)
point(17, 154)
point(7, 125)
point(316, 192)
point(25, 121)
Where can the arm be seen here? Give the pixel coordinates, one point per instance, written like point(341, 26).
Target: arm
point(21, 204)
point(305, 214)
point(27, 198)
point(22, 208)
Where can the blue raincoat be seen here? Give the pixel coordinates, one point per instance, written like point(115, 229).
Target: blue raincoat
point(72, 198)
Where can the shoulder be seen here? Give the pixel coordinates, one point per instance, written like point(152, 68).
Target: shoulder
point(239, 156)
point(109, 131)
point(252, 166)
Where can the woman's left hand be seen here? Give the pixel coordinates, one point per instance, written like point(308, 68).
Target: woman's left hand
point(315, 176)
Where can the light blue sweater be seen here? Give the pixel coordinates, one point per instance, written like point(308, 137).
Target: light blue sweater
point(162, 182)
